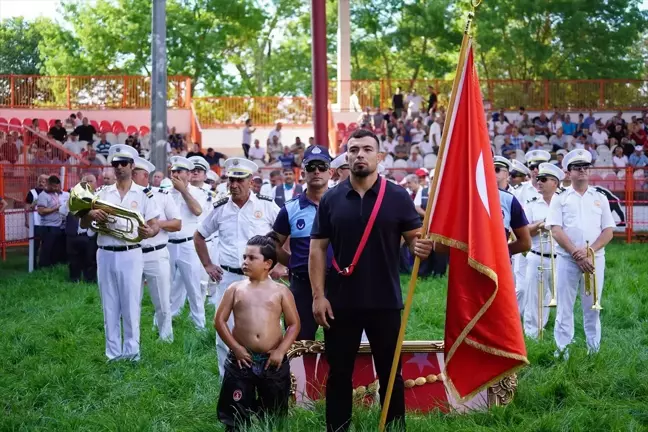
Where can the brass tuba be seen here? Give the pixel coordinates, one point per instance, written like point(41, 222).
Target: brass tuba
point(82, 199)
point(590, 280)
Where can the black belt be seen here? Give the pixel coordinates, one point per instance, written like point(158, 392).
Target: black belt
point(178, 241)
point(237, 271)
point(120, 248)
point(543, 255)
point(154, 248)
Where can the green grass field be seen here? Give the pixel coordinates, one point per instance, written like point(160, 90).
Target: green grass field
point(54, 376)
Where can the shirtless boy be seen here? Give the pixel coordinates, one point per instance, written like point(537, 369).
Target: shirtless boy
point(257, 362)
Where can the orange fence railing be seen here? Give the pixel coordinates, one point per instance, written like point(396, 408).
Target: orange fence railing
point(78, 92)
point(629, 186)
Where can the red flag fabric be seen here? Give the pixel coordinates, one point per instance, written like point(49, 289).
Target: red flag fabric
point(483, 334)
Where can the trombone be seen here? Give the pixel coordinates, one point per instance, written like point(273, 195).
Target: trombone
point(590, 280)
point(546, 242)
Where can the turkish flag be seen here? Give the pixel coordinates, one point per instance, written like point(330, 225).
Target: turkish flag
point(483, 334)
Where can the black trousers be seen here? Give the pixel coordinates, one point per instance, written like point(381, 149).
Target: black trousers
point(434, 266)
point(301, 289)
point(38, 238)
point(249, 391)
point(48, 250)
point(82, 258)
point(342, 341)
point(246, 150)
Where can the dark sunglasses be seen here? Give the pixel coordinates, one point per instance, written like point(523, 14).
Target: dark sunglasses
point(543, 179)
point(580, 168)
point(196, 170)
point(310, 168)
point(116, 164)
point(236, 179)
point(500, 169)
point(534, 166)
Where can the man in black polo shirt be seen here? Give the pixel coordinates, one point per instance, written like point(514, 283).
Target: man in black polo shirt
point(366, 295)
point(85, 131)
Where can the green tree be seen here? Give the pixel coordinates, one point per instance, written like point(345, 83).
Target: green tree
point(19, 52)
point(527, 39)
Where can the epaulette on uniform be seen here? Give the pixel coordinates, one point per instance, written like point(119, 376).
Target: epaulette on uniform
point(163, 191)
point(600, 190)
point(264, 197)
point(517, 186)
point(529, 201)
point(148, 192)
point(221, 202)
point(560, 190)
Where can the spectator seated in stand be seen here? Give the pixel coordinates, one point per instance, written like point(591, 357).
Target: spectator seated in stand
point(85, 131)
point(58, 132)
point(175, 139)
point(638, 159)
point(103, 146)
point(131, 141)
point(619, 160)
point(257, 152)
point(530, 137)
point(541, 124)
point(287, 159)
point(213, 158)
point(559, 141)
point(8, 149)
point(72, 144)
point(195, 151)
point(569, 127)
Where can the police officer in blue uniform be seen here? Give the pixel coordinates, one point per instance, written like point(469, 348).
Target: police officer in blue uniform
point(514, 218)
point(295, 219)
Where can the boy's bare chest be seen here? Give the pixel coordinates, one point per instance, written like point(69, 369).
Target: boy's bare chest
point(257, 301)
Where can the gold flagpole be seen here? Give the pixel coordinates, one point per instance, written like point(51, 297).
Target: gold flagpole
point(426, 218)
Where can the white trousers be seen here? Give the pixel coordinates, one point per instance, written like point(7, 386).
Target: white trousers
point(157, 272)
point(519, 272)
point(120, 285)
point(221, 348)
point(532, 281)
point(186, 271)
point(569, 280)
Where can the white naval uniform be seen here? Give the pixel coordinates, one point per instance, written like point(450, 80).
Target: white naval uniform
point(185, 265)
point(157, 269)
point(235, 226)
point(208, 287)
point(536, 210)
point(525, 192)
point(120, 274)
point(582, 218)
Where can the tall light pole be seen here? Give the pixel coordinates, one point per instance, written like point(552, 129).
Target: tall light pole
point(159, 87)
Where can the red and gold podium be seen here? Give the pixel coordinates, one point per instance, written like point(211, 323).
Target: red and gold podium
point(422, 361)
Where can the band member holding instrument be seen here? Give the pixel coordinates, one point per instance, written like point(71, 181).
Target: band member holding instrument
point(577, 216)
point(366, 293)
point(119, 262)
point(537, 209)
point(157, 270)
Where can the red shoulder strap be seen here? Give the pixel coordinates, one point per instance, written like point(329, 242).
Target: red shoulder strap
point(348, 271)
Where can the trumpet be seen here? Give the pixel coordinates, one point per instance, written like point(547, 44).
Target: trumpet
point(590, 280)
point(546, 240)
point(83, 200)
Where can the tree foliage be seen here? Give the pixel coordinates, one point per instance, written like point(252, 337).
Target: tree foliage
point(263, 47)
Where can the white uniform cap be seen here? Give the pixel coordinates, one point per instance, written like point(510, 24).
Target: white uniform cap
point(339, 161)
point(537, 156)
point(166, 183)
point(237, 167)
point(181, 163)
point(562, 152)
point(142, 163)
point(518, 166)
point(199, 162)
point(578, 156)
point(211, 175)
point(122, 152)
point(502, 162)
point(549, 169)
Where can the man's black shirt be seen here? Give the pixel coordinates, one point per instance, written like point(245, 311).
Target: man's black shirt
point(342, 217)
point(59, 134)
point(86, 133)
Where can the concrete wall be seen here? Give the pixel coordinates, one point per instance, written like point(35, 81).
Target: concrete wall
point(229, 140)
point(180, 118)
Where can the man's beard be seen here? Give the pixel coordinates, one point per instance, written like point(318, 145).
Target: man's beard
point(364, 172)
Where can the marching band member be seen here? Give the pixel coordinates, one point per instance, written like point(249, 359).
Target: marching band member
point(198, 177)
point(119, 262)
point(549, 178)
point(157, 270)
point(519, 173)
point(185, 265)
point(236, 219)
point(526, 191)
point(341, 170)
point(512, 212)
point(576, 216)
point(212, 180)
